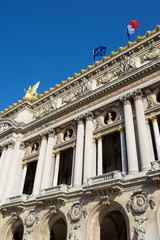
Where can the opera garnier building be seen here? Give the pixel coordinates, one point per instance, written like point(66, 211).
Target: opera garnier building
point(82, 160)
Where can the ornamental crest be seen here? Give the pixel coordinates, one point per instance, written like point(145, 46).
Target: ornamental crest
point(139, 202)
point(76, 213)
point(31, 218)
point(107, 77)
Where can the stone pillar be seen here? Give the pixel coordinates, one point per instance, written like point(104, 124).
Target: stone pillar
point(79, 153)
point(11, 180)
point(2, 161)
point(94, 157)
point(123, 150)
point(144, 149)
point(40, 165)
point(56, 169)
point(88, 154)
point(156, 135)
point(23, 177)
point(150, 141)
point(130, 136)
point(73, 164)
point(48, 171)
point(6, 169)
point(100, 160)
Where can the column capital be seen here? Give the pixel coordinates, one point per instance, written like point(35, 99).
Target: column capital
point(11, 144)
point(43, 135)
point(121, 130)
point(80, 120)
point(126, 99)
point(25, 165)
point(99, 138)
point(22, 146)
point(153, 118)
point(57, 153)
point(89, 116)
point(51, 132)
point(74, 147)
point(137, 94)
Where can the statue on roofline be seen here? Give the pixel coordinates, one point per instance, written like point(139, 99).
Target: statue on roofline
point(32, 90)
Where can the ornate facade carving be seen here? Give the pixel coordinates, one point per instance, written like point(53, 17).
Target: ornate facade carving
point(152, 54)
point(31, 219)
point(139, 202)
point(127, 64)
point(4, 126)
point(76, 213)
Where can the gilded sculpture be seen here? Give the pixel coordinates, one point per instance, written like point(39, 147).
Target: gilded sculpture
point(32, 90)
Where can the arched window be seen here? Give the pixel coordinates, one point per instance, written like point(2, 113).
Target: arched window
point(58, 230)
point(113, 227)
point(17, 230)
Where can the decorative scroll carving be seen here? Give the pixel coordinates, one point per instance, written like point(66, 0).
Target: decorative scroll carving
point(76, 212)
point(105, 200)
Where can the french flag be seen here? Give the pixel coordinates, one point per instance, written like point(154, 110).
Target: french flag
point(131, 28)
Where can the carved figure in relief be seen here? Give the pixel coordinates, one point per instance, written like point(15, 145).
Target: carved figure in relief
point(3, 127)
point(31, 91)
point(140, 230)
point(127, 64)
point(72, 236)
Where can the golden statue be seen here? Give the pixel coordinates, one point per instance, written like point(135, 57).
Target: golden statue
point(31, 91)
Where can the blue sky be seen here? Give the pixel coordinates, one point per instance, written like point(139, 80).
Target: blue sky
point(48, 41)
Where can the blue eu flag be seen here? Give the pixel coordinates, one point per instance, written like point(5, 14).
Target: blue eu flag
point(99, 52)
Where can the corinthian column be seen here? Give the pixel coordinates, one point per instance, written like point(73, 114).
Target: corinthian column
point(130, 136)
point(88, 156)
point(48, 171)
point(6, 169)
point(145, 155)
point(123, 149)
point(40, 165)
point(156, 135)
point(100, 162)
point(23, 177)
point(56, 169)
point(2, 161)
point(79, 153)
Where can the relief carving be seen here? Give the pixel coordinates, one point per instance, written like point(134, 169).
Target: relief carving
point(153, 53)
point(139, 202)
point(127, 64)
point(31, 219)
point(76, 213)
point(4, 126)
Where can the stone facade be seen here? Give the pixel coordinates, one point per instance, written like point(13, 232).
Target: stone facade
point(82, 161)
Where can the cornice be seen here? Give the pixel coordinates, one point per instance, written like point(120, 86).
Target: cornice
point(138, 45)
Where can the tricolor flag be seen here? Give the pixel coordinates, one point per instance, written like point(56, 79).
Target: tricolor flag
point(131, 28)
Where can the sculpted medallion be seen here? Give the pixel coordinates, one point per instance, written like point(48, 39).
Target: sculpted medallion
point(139, 202)
point(76, 213)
